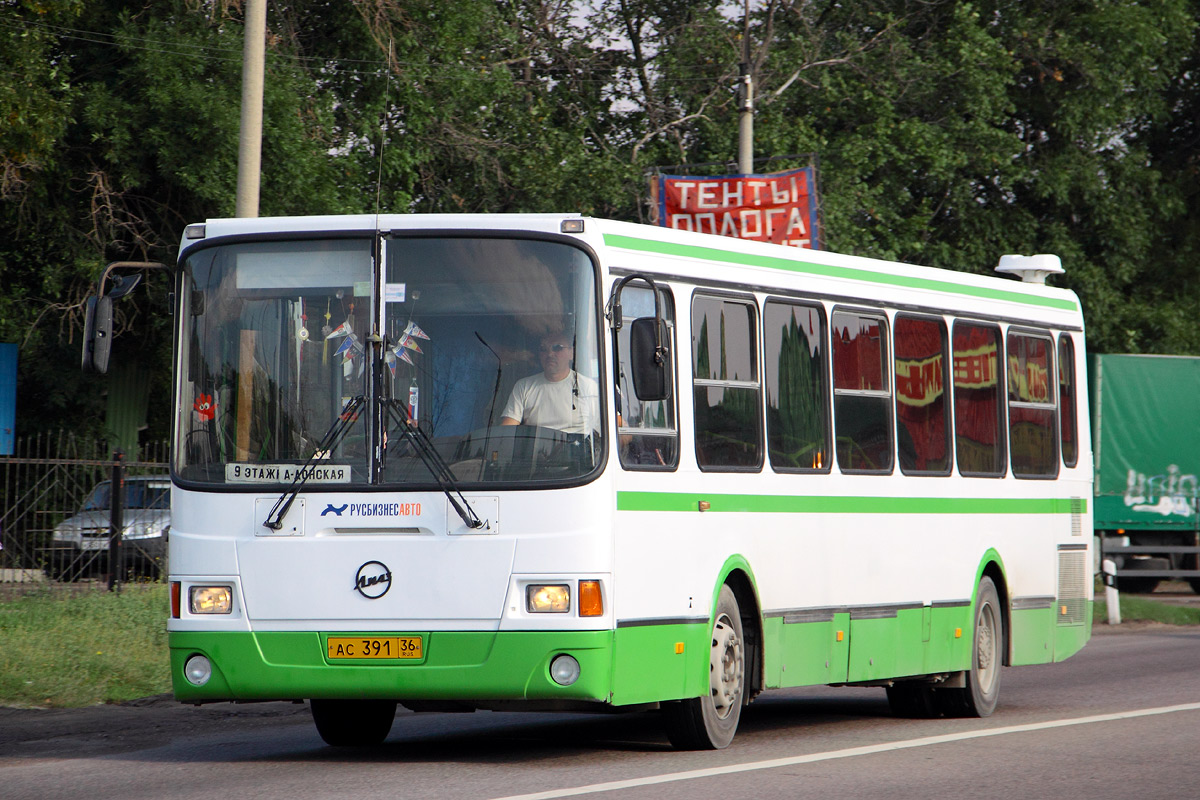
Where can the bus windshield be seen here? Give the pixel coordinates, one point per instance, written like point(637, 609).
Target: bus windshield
point(477, 358)
point(492, 351)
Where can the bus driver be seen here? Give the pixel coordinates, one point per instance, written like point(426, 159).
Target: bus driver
point(558, 397)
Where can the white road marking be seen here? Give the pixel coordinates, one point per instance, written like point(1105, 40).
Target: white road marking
point(852, 752)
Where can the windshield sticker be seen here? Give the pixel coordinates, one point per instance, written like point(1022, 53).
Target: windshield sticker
point(205, 408)
point(393, 292)
point(286, 473)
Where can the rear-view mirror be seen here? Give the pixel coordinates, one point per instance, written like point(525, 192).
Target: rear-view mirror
point(97, 334)
point(650, 359)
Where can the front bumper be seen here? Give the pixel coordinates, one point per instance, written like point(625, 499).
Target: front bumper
point(457, 665)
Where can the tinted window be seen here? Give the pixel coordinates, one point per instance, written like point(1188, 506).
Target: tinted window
point(1067, 401)
point(861, 401)
point(922, 413)
point(978, 428)
point(797, 386)
point(726, 389)
point(1032, 433)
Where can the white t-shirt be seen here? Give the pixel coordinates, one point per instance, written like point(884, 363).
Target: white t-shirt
point(571, 405)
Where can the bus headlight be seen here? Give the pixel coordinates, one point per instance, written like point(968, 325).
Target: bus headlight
point(210, 600)
point(548, 598)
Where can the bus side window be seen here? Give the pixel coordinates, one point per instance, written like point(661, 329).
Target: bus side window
point(726, 392)
point(922, 413)
point(1066, 401)
point(797, 383)
point(647, 434)
point(1032, 432)
point(862, 398)
point(978, 411)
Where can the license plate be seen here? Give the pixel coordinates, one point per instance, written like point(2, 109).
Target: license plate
point(94, 544)
point(376, 647)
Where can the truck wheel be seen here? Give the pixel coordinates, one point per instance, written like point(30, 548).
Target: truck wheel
point(978, 698)
point(353, 723)
point(1137, 585)
point(709, 722)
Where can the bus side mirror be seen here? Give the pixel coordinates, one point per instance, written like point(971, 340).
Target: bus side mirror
point(98, 317)
point(650, 359)
point(97, 334)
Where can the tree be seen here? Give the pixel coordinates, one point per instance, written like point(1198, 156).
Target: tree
point(948, 133)
point(148, 104)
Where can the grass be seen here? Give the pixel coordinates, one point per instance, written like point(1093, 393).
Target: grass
point(64, 651)
point(1139, 609)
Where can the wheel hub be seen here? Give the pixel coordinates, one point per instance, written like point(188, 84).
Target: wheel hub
point(725, 667)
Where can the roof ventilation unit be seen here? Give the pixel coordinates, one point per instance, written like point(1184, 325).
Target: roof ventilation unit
point(1031, 269)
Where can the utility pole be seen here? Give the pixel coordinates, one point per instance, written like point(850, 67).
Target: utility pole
point(250, 138)
point(746, 102)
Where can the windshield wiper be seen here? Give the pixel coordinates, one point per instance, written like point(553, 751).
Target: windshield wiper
point(434, 462)
point(337, 431)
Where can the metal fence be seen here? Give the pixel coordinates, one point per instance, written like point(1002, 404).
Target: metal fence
point(48, 480)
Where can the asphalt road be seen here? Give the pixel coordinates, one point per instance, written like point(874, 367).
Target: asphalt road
point(1119, 720)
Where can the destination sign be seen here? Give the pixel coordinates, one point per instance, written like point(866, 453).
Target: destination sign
point(286, 473)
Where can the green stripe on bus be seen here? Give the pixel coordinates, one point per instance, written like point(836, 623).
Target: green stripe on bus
point(851, 273)
point(801, 504)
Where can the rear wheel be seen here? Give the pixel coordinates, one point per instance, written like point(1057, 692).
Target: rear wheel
point(709, 722)
point(353, 723)
point(978, 698)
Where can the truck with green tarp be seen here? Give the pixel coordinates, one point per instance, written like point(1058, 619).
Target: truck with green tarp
point(1146, 443)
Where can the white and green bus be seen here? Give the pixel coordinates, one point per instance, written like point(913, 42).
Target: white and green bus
point(552, 462)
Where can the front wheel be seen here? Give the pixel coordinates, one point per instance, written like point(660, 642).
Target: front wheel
point(353, 723)
point(709, 722)
point(978, 698)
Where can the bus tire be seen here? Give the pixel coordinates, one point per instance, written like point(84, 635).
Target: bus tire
point(709, 722)
point(912, 700)
point(978, 698)
point(353, 723)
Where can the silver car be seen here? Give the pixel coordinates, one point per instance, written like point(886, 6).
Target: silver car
point(79, 545)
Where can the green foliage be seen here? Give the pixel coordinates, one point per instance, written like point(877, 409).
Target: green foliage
point(96, 647)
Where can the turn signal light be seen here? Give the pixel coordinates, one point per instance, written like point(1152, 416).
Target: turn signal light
point(591, 603)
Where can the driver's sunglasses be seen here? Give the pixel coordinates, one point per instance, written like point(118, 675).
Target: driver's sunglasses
point(552, 348)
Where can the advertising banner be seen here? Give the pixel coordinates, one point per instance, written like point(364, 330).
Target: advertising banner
point(780, 207)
